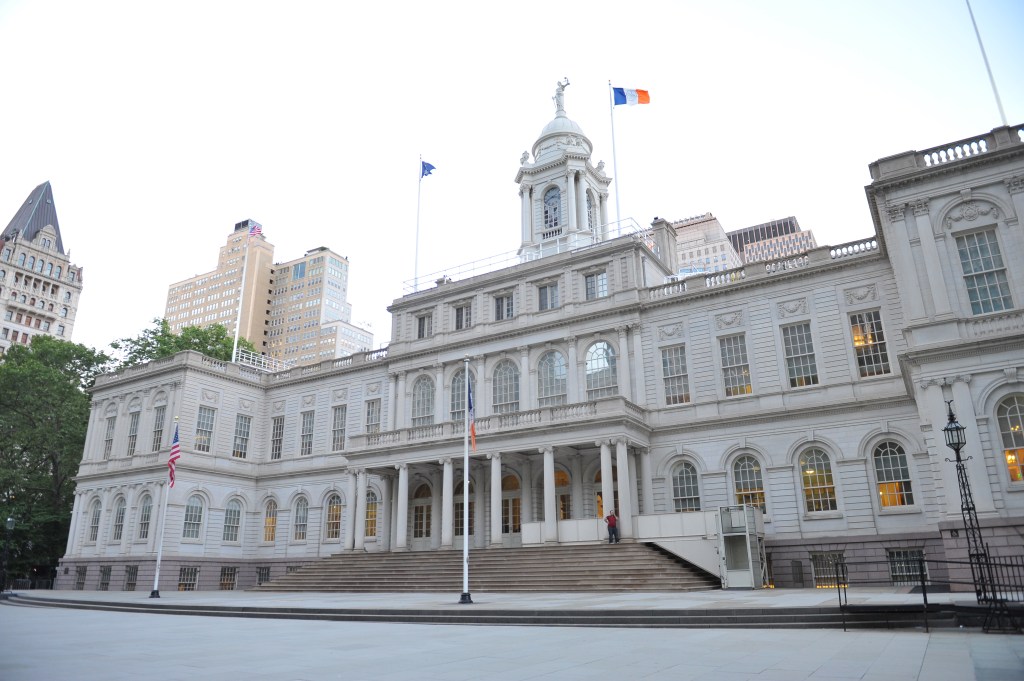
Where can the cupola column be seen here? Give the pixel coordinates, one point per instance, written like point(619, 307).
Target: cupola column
point(524, 195)
point(581, 204)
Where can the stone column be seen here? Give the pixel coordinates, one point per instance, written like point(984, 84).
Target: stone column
point(963, 408)
point(570, 199)
point(524, 197)
point(439, 405)
point(386, 506)
point(402, 510)
point(360, 529)
point(572, 372)
point(607, 480)
point(622, 363)
point(604, 216)
point(932, 275)
point(550, 496)
point(399, 417)
point(495, 498)
point(578, 505)
point(902, 256)
point(350, 510)
point(447, 502)
point(526, 400)
point(581, 204)
point(479, 517)
point(625, 488)
point(647, 481)
point(481, 403)
point(526, 495)
point(640, 389)
point(1013, 237)
point(392, 400)
point(933, 410)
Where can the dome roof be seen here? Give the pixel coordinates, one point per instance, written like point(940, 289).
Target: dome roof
point(562, 124)
point(560, 135)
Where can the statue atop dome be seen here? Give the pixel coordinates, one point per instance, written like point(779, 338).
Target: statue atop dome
point(560, 97)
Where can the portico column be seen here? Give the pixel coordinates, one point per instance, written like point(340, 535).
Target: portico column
point(76, 510)
point(439, 415)
point(572, 386)
point(963, 407)
point(386, 506)
point(576, 461)
point(435, 509)
point(447, 502)
point(625, 389)
point(550, 500)
point(607, 481)
point(495, 498)
point(360, 529)
point(402, 512)
point(399, 417)
point(625, 489)
point(350, 510)
point(479, 525)
point(526, 506)
point(570, 185)
point(647, 480)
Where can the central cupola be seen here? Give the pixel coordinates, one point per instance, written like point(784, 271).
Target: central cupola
point(564, 197)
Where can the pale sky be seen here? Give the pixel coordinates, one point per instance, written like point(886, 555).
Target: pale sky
point(162, 125)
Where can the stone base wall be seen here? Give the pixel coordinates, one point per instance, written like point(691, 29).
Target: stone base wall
point(208, 575)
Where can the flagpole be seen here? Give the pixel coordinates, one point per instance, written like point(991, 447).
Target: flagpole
point(416, 263)
point(155, 593)
point(615, 164)
point(241, 297)
point(466, 598)
point(988, 68)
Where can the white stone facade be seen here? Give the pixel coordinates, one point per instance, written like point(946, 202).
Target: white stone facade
point(812, 387)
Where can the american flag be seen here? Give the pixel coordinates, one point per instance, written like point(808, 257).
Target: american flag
point(472, 415)
point(255, 228)
point(175, 453)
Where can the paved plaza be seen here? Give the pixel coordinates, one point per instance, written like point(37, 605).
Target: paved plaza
point(55, 644)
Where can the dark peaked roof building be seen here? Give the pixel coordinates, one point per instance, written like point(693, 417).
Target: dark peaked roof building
point(36, 213)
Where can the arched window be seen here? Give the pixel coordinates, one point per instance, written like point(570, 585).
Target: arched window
point(816, 477)
point(270, 522)
point(193, 518)
point(39, 266)
point(602, 377)
point(460, 512)
point(332, 529)
point(421, 502)
point(232, 520)
point(423, 401)
point(21, 259)
point(892, 475)
point(372, 507)
point(552, 208)
point(563, 494)
point(145, 514)
point(590, 211)
point(749, 485)
point(1010, 414)
point(94, 521)
point(506, 387)
point(458, 400)
point(49, 269)
point(56, 274)
point(63, 312)
point(301, 519)
point(685, 491)
point(551, 375)
point(118, 529)
point(32, 262)
point(511, 505)
point(67, 296)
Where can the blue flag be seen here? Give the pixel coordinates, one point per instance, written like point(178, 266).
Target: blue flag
point(425, 168)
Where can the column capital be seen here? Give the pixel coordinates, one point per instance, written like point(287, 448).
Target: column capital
point(621, 441)
point(401, 466)
point(959, 378)
point(622, 329)
point(545, 450)
point(571, 340)
point(602, 443)
point(896, 212)
point(920, 207)
point(445, 460)
point(1015, 184)
point(494, 456)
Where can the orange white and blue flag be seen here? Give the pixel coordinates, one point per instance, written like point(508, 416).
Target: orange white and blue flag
point(630, 97)
point(471, 415)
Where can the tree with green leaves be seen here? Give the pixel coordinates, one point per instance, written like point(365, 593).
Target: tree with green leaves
point(44, 415)
point(159, 341)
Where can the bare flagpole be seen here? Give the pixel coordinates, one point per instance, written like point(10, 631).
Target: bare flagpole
point(991, 80)
point(615, 164)
point(466, 598)
point(172, 458)
point(416, 264)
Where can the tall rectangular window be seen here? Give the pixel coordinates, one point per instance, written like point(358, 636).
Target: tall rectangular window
point(241, 447)
point(276, 437)
point(204, 429)
point(984, 272)
point(133, 432)
point(547, 296)
point(104, 584)
point(425, 326)
point(158, 428)
point(188, 578)
point(673, 369)
point(306, 434)
point(735, 369)
point(131, 577)
point(799, 348)
point(503, 308)
point(596, 285)
point(463, 317)
point(108, 440)
point(373, 416)
point(869, 343)
point(80, 573)
point(338, 428)
point(228, 578)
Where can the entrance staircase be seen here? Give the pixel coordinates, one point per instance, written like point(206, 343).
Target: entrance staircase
point(582, 567)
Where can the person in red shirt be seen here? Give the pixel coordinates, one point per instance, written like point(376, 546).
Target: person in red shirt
point(613, 527)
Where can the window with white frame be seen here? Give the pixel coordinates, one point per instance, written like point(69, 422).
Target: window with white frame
point(372, 506)
point(551, 379)
point(984, 272)
point(332, 525)
point(373, 416)
point(145, 514)
point(1010, 414)
point(816, 479)
point(94, 521)
point(423, 401)
point(301, 519)
point(892, 475)
point(108, 439)
point(276, 437)
point(463, 316)
point(193, 525)
point(204, 429)
point(425, 325)
point(748, 482)
point(306, 434)
point(458, 396)
point(421, 512)
point(869, 343)
point(799, 348)
point(340, 416)
point(547, 296)
point(673, 370)
point(563, 495)
point(506, 387)
point(503, 307)
point(270, 521)
point(685, 490)
point(601, 371)
point(595, 285)
point(158, 428)
point(133, 432)
point(735, 367)
point(119, 510)
point(232, 521)
point(243, 424)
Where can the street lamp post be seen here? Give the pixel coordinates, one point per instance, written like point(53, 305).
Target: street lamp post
point(7, 542)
